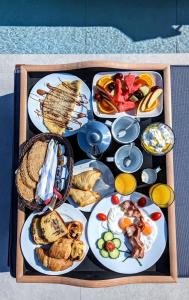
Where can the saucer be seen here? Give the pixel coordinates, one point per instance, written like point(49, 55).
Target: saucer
point(94, 133)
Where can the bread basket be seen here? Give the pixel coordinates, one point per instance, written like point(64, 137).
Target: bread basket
point(70, 161)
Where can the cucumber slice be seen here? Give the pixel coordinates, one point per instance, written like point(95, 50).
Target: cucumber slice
point(104, 253)
point(108, 236)
point(117, 242)
point(114, 254)
point(100, 243)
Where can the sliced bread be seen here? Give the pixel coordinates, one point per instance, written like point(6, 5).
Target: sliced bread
point(36, 232)
point(53, 226)
point(36, 157)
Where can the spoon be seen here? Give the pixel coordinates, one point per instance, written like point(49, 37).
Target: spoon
point(94, 153)
point(123, 131)
point(127, 159)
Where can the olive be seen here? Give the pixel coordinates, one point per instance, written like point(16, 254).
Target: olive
point(118, 76)
point(138, 94)
point(111, 86)
point(98, 97)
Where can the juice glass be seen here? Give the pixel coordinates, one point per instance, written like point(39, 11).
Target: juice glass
point(162, 194)
point(125, 184)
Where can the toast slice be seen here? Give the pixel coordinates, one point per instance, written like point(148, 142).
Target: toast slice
point(36, 157)
point(25, 175)
point(36, 232)
point(53, 226)
point(24, 191)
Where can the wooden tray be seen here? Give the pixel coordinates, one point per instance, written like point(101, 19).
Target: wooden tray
point(91, 273)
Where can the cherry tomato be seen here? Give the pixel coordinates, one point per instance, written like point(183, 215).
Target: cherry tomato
point(155, 216)
point(115, 199)
point(142, 202)
point(101, 217)
point(109, 246)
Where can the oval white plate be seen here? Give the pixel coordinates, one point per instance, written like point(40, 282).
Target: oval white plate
point(68, 213)
point(95, 229)
point(104, 186)
point(156, 112)
point(54, 79)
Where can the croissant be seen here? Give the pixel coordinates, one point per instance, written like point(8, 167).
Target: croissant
point(86, 180)
point(61, 248)
point(53, 264)
point(75, 229)
point(83, 198)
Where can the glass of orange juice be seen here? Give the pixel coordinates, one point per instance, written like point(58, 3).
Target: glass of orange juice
point(125, 184)
point(162, 194)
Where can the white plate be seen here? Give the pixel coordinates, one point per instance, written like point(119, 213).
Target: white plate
point(95, 229)
point(104, 186)
point(156, 112)
point(54, 79)
point(68, 213)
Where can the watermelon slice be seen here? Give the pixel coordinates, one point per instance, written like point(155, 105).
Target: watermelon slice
point(131, 83)
point(128, 105)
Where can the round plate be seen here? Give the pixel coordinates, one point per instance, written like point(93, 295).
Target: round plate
point(54, 79)
point(104, 186)
point(68, 213)
point(130, 266)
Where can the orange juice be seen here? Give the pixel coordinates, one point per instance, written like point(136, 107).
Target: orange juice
point(161, 194)
point(125, 184)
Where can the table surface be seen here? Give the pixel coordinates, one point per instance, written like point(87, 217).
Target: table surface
point(180, 91)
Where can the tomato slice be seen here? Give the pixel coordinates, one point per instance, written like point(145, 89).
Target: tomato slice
point(101, 217)
point(115, 199)
point(155, 216)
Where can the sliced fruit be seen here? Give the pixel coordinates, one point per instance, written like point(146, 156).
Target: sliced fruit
point(104, 92)
point(108, 236)
point(104, 253)
point(144, 103)
point(106, 107)
point(156, 103)
point(144, 89)
point(114, 254)
point(104, 81)
point(109, 246)
point(117, 242)
point(148, 78)
point(100, 243)
point(127, 105)
point(155, 95)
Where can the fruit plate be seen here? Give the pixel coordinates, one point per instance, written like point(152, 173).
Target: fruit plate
point(156, 240)
point(154, 113)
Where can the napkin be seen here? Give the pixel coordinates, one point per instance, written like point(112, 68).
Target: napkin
point(45, 184)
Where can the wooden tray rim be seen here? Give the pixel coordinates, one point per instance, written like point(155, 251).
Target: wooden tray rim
point(172, 278)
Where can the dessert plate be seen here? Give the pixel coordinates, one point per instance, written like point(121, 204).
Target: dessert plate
point(68, 213)
point(96, 228)
point(156, 112)
point(104, 186)
point(35, 100)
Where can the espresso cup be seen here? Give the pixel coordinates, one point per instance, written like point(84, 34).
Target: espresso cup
point(135, 156)
point(122, 123)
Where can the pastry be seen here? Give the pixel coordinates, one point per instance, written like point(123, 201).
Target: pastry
point(83, 198)
point(75, 230)
point(36, 232)
point(59, 104)
point(53, 264)
point(27, 180)
point(61, 248)
point(53, 226)
point(77, 250)
point(36, 157)
point(86, 180)
point(24, 191)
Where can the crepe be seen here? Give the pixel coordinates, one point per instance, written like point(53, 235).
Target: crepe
point(83, 198)
point(59, 105)
point(86, 180)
